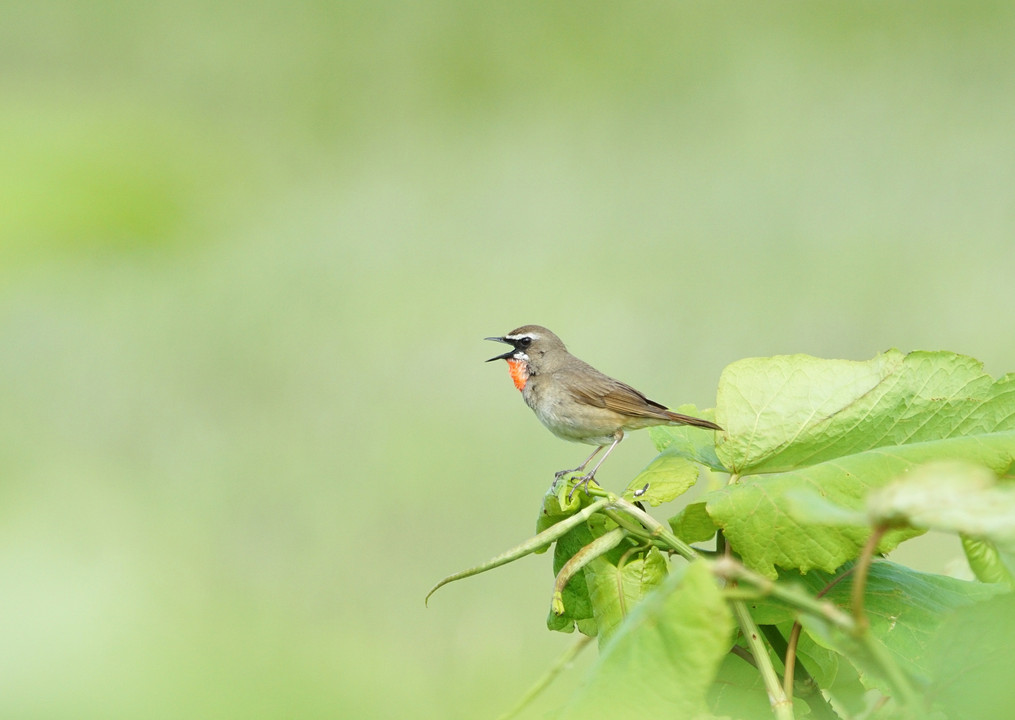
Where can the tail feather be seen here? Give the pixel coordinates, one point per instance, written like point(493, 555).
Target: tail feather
point(678, 419)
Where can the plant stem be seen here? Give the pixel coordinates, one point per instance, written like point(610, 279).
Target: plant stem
point(656, 530)
point(790, 661)
point(733, 570)
point(782, 705)
point(600, 546)
point(860, 571)
point(562, 662)
point(533, 544)
point(803, 685)
point(794, 638)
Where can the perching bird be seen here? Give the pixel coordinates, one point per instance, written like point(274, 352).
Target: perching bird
point(576, 401)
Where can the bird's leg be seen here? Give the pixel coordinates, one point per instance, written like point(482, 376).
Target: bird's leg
point(561, 473)
point(584, 480)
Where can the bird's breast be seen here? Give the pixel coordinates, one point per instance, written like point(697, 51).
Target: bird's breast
point(567, 419)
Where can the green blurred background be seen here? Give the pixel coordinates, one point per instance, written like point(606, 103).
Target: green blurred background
point(249, 251)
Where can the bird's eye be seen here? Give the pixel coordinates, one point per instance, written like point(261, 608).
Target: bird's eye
point(525, 341)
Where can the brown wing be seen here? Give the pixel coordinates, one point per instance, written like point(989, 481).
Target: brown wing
point(599, 390)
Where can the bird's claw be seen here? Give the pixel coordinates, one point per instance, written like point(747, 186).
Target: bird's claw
point(583, 482)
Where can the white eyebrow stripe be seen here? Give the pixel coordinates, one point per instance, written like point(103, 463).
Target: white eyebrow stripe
point(532, 336)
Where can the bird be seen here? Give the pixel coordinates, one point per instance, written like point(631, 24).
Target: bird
point(575, 401)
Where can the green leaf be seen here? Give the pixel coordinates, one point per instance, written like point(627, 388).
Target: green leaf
point(989, 564)
point(667, 477)
point(905, 608)
point(791, 411)
point(846, 688)
point(693, 524)
point(953, 496)
point(753, 512)
point(615, 591)
point(739, 691)
point(663, 658)
point(971, 661)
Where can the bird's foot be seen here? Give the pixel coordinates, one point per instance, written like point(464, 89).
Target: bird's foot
point(582, 482)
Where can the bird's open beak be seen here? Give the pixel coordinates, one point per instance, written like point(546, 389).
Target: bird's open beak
point(506, 355)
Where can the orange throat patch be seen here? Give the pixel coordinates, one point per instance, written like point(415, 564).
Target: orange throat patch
point(519, 370)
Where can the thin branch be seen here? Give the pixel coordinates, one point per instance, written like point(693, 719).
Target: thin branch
point(804, 685)
point(731, 569)
point(782, 705)
point(533, 544)
point(656, 529)
point(860, 571)
point(562, 663)
point(794, 640)
point(790, 661)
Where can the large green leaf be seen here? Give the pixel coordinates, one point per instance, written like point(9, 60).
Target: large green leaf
point(757, 512)
point(905, 608)
point(971, 662)
point(663, 658)
point(792, 411)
